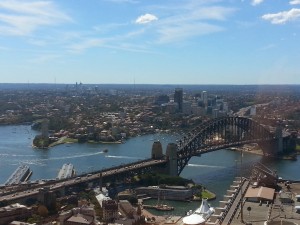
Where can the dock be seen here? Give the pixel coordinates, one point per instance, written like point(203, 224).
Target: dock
point(21, 174)
point(236, 209)
point(67, 171)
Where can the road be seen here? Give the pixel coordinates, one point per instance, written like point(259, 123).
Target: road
point(18, 192)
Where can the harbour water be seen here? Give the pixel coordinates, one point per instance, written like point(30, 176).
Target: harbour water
point(214, 170)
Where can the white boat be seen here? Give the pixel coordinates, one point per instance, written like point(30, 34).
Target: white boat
point(200, 215)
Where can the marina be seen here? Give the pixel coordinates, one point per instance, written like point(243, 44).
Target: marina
point(21, 174)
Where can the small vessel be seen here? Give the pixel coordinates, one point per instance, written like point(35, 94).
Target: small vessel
point(162, 207)
point(105, 150)
point(200, 215)
point(159, 207)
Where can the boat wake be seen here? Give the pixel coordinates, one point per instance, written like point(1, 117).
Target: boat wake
point(41, 161)
point(15, 155)
point(206, 166)
point(73, 156)
point(30, 162)
point(121, 157)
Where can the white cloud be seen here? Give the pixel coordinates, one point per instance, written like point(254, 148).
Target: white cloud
point(179, 33)
point(256, 2)
point(3, 48)
point(295, 2)
point(117, 42)
point(147, 18)
point(267, 47)
point(188, 21)
point(123, 1)
point(282, 17)
point(24, 17)
point(85, 44)
point(103, 28)
point(45, 58)
point(176, 23)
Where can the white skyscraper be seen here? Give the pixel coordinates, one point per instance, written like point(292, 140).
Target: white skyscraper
point(204, 97)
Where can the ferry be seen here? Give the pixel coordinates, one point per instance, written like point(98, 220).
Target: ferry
point(159, 207)
point(200, 215)
point(22, 173)
point(67, 171)
point(162, 207)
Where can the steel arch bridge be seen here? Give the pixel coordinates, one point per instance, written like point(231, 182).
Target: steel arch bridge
point(221, 133)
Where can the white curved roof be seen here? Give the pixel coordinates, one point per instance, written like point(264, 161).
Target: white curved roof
point(193, 219)
point(204, 208)
point(200, 215)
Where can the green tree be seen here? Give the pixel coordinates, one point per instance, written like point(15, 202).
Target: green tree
point(42, 211)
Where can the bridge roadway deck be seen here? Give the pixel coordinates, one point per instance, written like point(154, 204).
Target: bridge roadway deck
point(236, 203)
point(9, 193)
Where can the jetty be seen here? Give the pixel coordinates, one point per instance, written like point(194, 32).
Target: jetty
point(21, 174)
point(67, 171)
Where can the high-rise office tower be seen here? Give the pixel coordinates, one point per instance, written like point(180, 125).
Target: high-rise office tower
point(178, 98)
point(204, 97)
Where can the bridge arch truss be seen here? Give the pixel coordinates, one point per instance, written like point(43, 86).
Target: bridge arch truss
point(218, 134)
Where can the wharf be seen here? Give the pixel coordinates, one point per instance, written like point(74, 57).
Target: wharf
point(256, 213)
point(236, 203)
point(22, 173)
point(67, 171)
point(278, 212)
point(229, 207)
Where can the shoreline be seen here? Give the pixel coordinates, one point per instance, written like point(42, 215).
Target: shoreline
point(260, 152)
point(66, 140)
point(105, 142)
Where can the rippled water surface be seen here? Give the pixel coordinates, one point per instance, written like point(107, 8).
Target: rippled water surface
point(214, 170)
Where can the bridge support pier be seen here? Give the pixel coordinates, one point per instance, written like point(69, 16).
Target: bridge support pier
point(157, 152)
point(278, 135)
point(171, 154)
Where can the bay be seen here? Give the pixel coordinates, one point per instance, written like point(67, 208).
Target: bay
point(215, 170)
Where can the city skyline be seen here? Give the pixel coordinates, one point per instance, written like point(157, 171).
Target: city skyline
point(134, 41)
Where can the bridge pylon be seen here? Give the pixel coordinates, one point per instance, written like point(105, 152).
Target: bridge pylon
point(171, 154)
point(157, 152)
point(279, 138)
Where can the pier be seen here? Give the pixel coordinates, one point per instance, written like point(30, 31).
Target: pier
point(229, 207)
point(67, 171)
point(22, 173)
point(236, 209)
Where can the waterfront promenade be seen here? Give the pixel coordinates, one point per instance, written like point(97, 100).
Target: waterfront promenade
point(279, 211)
point(235, 203)
point(229, 211)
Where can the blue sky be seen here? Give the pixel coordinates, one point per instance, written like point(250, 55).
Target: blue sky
point(150, 41)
